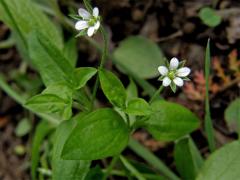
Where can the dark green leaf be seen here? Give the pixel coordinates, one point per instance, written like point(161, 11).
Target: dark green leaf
point(66, 169)
point(209, 17)
point(170, 121)
point(83, 75)
point(113, 88)
point(140, 55)
point(100, 134)
point(138, 107)
point(223, 164)
point(187, 158)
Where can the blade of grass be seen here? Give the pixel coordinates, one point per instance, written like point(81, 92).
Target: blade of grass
point(132, 169)
point(153, 160)
point(208, 121)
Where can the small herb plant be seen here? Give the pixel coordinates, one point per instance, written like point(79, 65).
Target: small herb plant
point(82, 132)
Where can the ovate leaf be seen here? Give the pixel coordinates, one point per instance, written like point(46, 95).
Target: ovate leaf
point(67, 169)
point(187, 158)
point(209, 17)
point(170, 121)
point(223, 164)
point(140, 55)
point(113, 88)
point(100, 134)
point(232, 115)
point(138, 107)
point(83, 75)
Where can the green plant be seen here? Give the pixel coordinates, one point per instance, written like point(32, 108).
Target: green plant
point(91, 133)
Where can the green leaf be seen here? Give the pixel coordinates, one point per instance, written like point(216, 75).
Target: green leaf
point(170, 121)
point(51, 104)
point(223, 164)
point(187, 158)
point(23, 16)
point(232, 115)
point(138, 107)
point(113, 88)
point(49, 60)
point(42, 130)
point(70, 51)
point(209, 17)
point(100, 134)
point(23, 127)
point(140, 55)
point(83, 75)
point(66, 169)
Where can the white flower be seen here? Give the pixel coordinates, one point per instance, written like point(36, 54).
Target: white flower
point(174, 74)
point(89, 22)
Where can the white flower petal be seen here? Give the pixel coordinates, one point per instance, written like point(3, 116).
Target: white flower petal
point(183, 72)
point(95, 12)
point(163, 70)
point(84, 13)
point(90, 31)
point(80, 25)
point(174, 63)
point(97, 25)
point(178, 81)
point(166, 81)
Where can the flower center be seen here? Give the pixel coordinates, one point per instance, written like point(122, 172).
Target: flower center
point(93, 21)
point(171, 75)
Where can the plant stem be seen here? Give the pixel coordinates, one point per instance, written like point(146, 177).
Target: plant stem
point(153, 160)
point(110, 167)
point(102, 62)
point(156, 94)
